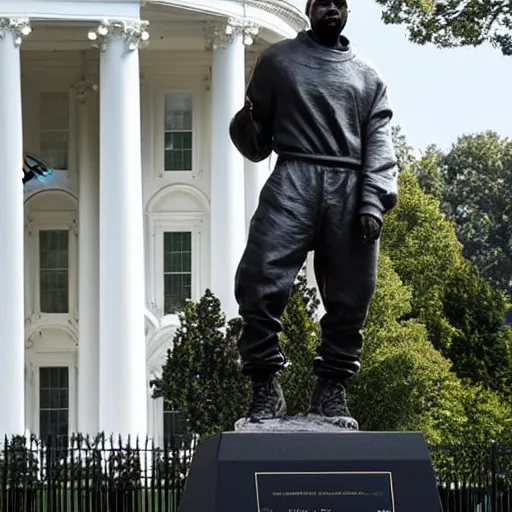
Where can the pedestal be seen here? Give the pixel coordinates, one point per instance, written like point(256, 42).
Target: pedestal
point(312, 472)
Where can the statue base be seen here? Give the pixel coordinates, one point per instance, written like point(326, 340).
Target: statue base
point(311, 472)
point(299, 423)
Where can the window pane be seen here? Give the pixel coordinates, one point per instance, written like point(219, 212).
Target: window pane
point(54, 271)
point(53, 402)
point(178, 132)
point(178, 111)
point(177, 270)
point(54, 128)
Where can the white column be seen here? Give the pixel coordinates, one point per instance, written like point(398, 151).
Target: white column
point(256, 174)
point(12, 327)
point(88, 264)
point(227, 217)
point(122, 365)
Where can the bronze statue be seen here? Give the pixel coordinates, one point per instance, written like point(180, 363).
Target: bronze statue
point(325, 112)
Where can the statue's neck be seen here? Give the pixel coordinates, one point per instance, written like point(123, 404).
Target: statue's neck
point(330, 39)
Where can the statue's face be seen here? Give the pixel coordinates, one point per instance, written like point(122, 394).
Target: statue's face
point(328, 15)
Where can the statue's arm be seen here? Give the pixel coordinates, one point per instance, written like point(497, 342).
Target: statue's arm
point(380, 181)
point(251, 127)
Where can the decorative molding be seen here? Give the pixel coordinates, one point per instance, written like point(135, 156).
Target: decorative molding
point(134, 33)
point(218, 35)
point(18, 27)
point(295, 18)
point(82, 86)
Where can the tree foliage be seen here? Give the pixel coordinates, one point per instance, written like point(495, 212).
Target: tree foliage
point(201, 377)
point(462, 312)
point(479, 349)
point(299, 339)
point(453, 23)
point(404, 383)
point(478, 194)
point(425, 251)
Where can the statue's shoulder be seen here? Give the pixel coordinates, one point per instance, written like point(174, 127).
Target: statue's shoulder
point(277, 50)
point(368, 68)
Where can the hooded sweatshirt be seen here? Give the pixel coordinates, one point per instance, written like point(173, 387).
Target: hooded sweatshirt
point(328, 104)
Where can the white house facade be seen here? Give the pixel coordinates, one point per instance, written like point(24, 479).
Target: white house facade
point(148, 204)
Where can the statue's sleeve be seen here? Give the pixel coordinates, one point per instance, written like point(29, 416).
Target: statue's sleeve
point(251, 127)
point(380, 181)
point(260, 90)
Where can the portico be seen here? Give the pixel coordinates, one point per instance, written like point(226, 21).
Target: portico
point(146, 208)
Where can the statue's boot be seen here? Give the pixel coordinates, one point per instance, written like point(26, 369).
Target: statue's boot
point(329, 400)
point(267, 399)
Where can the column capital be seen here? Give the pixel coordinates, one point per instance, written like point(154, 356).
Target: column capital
point(17, 27)
point(134, 33)
point(219, 34)
point(82, 86)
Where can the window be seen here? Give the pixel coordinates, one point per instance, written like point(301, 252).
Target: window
point(54, 403)
point(177, 270)
point(178, 132)
point(54, 271)
point(54, 129)
point(173, 426)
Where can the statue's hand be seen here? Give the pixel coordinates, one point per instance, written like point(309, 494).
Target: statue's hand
point(371, 228)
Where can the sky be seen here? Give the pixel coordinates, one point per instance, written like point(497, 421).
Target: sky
point(437, 94)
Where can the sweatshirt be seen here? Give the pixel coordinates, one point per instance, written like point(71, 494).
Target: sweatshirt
point(328, 103)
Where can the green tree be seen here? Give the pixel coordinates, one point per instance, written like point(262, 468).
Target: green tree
point(425, 251)
point(478, 173)
point(480, 347)
point(201, 377)
point(463, 314)
point(404, 153)
point(488, 416)
point(453, 23)
point(404, 383)
point(299, 339)
point(429, 170)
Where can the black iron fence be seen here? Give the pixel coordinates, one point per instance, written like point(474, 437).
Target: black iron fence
point(99, 474)
point(474, 478)
point(108, 475)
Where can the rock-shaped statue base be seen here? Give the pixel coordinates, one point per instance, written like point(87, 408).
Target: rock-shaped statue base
point(300, 423)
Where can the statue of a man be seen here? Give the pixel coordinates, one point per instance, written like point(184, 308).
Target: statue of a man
point(325, 112)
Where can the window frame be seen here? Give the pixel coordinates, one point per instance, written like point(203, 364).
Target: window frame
point(62, 360)
point(43, 221)
point(69, 128)
point(178, 222)
point(159, 118)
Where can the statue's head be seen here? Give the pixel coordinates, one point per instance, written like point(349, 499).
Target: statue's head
point(327, 17)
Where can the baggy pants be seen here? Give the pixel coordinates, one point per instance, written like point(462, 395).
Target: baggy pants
point(303, 207)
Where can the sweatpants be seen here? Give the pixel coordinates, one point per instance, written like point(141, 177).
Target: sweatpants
point(306, 207)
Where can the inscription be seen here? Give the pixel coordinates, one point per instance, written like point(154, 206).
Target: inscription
point(311, 510)
point(324, 492)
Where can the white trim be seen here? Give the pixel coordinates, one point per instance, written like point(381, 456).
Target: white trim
point(74, 9)
point(161, 175)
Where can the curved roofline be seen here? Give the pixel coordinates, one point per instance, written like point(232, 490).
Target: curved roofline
point(279, 16)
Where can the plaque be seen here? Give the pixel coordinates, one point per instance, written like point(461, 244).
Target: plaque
point(325, 492)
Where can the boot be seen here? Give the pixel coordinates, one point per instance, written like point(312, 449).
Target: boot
point(267, 399)
point(329, 401)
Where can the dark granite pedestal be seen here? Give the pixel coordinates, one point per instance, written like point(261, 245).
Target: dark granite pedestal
point(344, 471)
